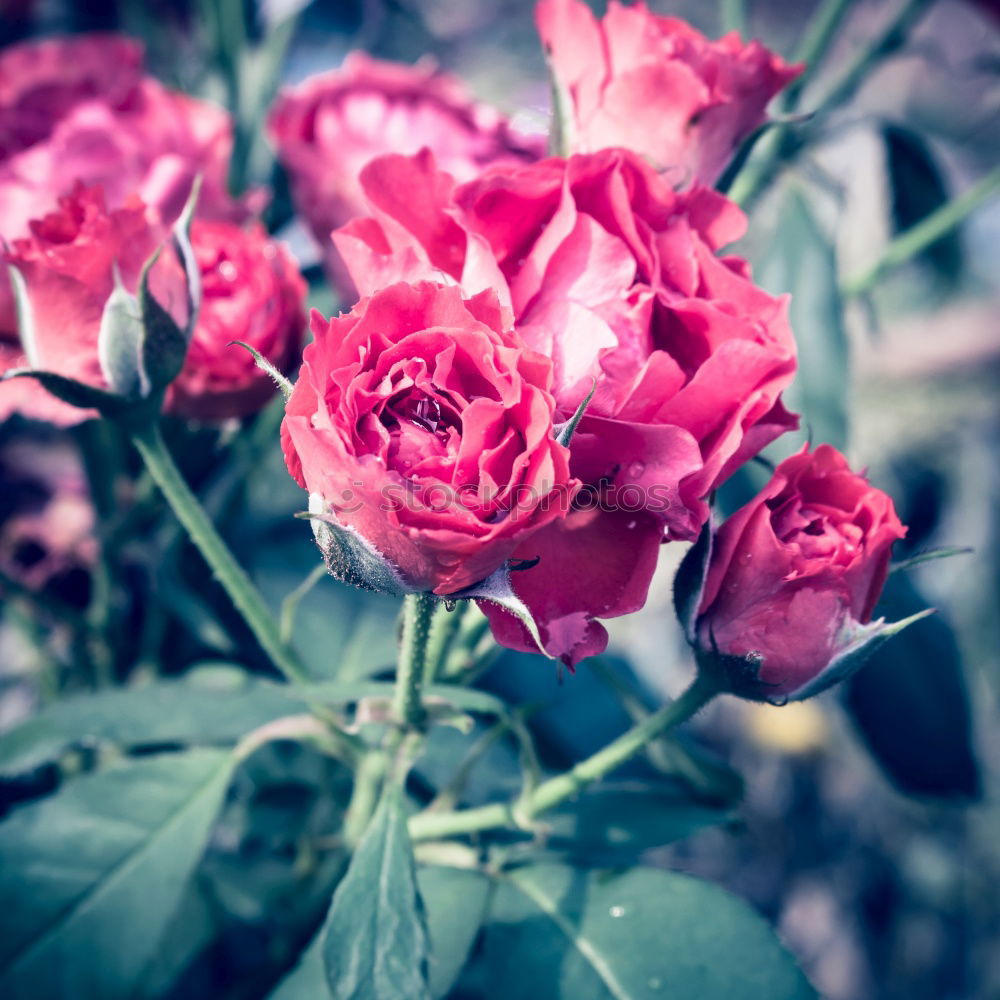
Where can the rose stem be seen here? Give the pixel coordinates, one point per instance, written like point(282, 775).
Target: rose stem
point(930, 229)
point(445, 624)
point(783, 147)
point(429, 826)
point(229, 573)
point(407, 706)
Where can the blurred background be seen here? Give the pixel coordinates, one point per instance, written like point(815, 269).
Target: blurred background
point(869, 831)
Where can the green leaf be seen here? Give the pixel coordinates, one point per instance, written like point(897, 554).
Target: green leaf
point(375, 943)
point(87, 397)
point(689, 582)
point(565, 934)
point(465, 699)
point(91, 877)
point(801, 260)
point(454, 900)
point(210, 705)
point(911, 705)
point(615, 822)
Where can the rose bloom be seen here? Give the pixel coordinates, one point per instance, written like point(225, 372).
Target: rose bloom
point(80, 109)
point(794, 575)
point(328, 127)
point(251, 291)
point(617, 278)
point(656, 86)
point(424, 427)
point(47, 530)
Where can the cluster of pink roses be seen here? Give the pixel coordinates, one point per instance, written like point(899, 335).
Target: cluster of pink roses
point(552, 364)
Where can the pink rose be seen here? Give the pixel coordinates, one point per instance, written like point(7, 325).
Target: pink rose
point(423, 428)
point(67, 265)
point(251, 291)
point(616, 277)
point(656, 86)
point(47, 526)
point(79, 109)
point(327, 128)
point(794, 577)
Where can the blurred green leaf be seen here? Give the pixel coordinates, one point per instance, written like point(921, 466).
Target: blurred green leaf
point(91, 877)
point(454, 900)
point(342, 633)
point(917, 188)
point(212, 704)
point(374, 943)
point(800, 260)
point(614, 823)
point(911, 705)
point(566, 934)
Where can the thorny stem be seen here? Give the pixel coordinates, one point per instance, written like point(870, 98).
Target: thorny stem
point(429, 826)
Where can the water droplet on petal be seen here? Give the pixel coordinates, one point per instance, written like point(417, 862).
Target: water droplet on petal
point(636, 469)
point(617, 911)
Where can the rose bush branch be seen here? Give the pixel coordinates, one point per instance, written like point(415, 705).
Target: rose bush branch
point(408, 708)
point(233, 578)
point(784, 147)
point(918, 238)
point(519, 814)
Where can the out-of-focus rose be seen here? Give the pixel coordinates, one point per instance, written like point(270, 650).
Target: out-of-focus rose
point(328, 127)
point(424, 427)
point(79, 110)
point(794, 577)
point(616, 277)
point(67, 265)
point(251, 291)
point(656, 86)
point(47, 534)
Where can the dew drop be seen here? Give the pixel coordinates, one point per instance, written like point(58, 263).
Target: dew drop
point(631, 525)
point(617, 911)
point(636, 469)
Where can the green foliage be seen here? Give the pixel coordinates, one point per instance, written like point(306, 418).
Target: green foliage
point(454, 902)
point(925, 744)
point(800, 260)
point(92, 876)
point(559, 932)
point(375, 942)
point(211, 705)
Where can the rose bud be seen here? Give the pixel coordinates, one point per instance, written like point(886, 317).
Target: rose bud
point(789, 582)
point(251, 292)
point(80, 109)
point(328, 127)
point(656, 86)
point(617, 278)
point(67, 266)
point(422, 429)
